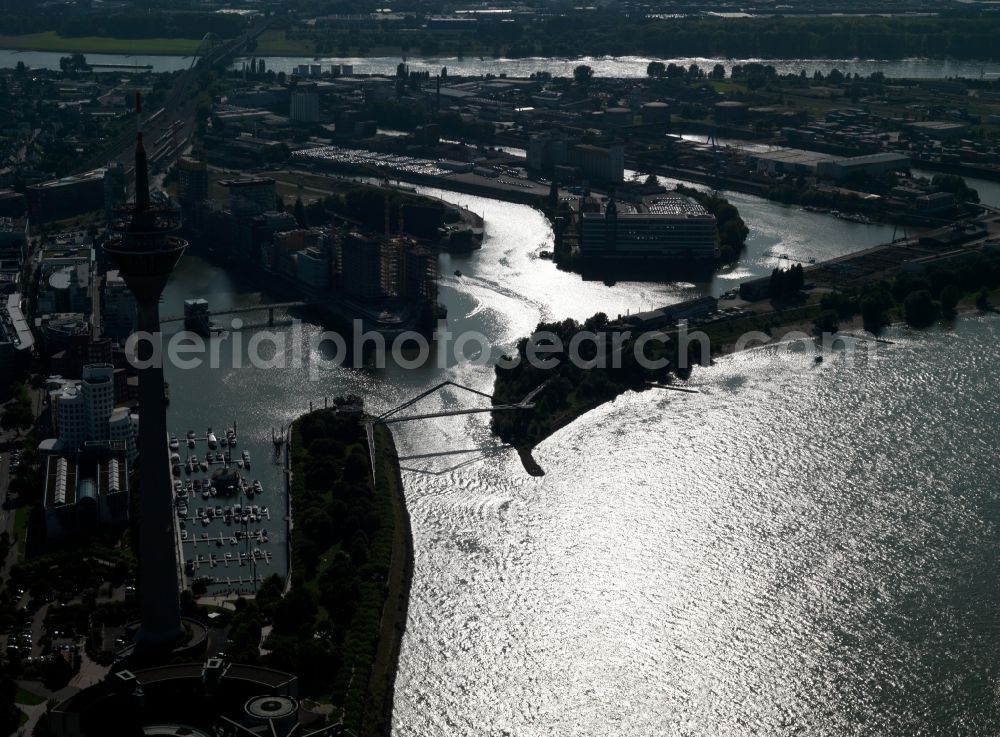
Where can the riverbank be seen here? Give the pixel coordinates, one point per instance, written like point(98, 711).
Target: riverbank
point(381, 684)
point(353, 564)
point(768, 325)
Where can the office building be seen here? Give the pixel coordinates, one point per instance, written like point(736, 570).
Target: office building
point(84, 495)
point(66, 197)
point(84, 415)
point(671, 227)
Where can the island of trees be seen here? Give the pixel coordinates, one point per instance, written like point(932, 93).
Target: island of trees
point(573, 387)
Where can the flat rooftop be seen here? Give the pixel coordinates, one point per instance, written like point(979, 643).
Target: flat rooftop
point(665, 206)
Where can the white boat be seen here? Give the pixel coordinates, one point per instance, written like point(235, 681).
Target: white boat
point(190, 442)
point(174, 442)
point(257, 488)
point(212, 442)
point(205, 494)
point(204, 466)
point(223, 441)
point(184, 534)
point(190, 434)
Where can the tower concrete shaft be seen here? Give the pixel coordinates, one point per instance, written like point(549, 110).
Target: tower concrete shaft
point(145, 252)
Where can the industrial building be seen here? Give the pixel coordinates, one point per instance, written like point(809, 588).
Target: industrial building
point(788, 161)
point(873, 165)
point(249, 197)
point(605, 163)
point(666, 227)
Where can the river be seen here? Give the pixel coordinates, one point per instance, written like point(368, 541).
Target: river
point(623, 66)
point(796, 549)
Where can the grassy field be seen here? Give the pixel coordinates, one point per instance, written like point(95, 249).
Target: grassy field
point(28, 698)
point(21, 518)
point(276, 43)
point(52, 41)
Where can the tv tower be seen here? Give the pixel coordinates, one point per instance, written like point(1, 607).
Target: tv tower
point(144, 249)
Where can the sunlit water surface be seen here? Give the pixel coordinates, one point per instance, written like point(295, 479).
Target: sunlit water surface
point(797, 549)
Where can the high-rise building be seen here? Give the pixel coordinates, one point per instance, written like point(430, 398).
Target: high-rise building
point(305, 106)
point(145, 249)
point(115, 188)
point(192, 182)
point(13, 244)
point(119, 308)
point(361, 260)
point(420, 273)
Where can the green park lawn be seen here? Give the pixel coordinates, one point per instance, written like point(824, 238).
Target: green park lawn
point(52, 41)
point(28, 698)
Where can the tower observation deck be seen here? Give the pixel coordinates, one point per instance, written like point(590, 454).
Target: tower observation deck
point(143, 246)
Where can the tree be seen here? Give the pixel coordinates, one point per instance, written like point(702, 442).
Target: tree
point(652, 181)
point(919, 309)
point(826, 322)
point(873, 313)
point(983, 301)
point(949, 299)
point(718, 72)
point(19, 413)
point(583, 74)
point(957, 186)
point(10, 715)
point(299, 211)
point(656, 69)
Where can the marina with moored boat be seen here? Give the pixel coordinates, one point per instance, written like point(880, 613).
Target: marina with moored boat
point(212, 493)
